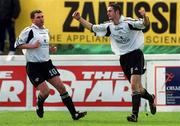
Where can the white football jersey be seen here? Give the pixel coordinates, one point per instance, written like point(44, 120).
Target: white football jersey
point(125, 37)
point(30, 35)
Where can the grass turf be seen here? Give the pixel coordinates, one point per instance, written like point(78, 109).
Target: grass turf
point(61, 118)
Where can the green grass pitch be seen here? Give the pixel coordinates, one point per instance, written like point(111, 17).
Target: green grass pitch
point(62, 118)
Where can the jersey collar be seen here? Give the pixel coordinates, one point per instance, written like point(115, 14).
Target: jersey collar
point(122, 18)
point(35, 26)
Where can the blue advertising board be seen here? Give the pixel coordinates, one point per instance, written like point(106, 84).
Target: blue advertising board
point(172, 86)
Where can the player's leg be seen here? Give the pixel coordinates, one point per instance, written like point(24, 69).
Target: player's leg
point(150, 98)
point(52, 76)
point(57, 83)
point(43, 94)
point(35, 76)
point(136, 66)
point(136, 98)
point(126, 63)
point(133, 67)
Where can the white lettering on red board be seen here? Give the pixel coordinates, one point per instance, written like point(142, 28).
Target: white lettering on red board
point(92, 86)
point(6, 74)
point(10, 90)
point(12, 86)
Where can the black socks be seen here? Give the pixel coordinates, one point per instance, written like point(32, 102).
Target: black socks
point(136, 99)
point(40, 100)
point(146, 95)
point(68, 103)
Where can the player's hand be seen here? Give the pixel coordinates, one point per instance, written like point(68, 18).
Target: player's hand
point(36, 44)
point(146, 21)
point(53, 49)
point(76, 15)
point(142, 13)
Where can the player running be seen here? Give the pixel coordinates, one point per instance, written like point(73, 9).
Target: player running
point(39, 67)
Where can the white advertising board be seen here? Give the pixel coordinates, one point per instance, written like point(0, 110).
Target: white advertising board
point(95, 82)
point(163, 79)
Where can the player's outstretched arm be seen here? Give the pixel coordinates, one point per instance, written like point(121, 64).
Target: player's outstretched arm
point(145, 17)
point(30, 46)
point(86, 24)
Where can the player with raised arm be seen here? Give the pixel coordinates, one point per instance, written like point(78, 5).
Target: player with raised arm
point(127, 39)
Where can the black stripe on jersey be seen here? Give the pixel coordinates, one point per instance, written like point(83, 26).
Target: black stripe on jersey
point(108, 31)
point(133, 28)
point(30, 36)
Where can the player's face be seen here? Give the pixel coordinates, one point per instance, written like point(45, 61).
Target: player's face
point(111, 13)
point(38, 19)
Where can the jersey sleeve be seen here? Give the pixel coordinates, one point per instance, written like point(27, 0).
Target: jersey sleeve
point(101, 29)
point(22, 38)
point(135, 23)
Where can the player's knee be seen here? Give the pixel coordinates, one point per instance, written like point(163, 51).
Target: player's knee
point(134, 87)
point(46, 93)
point(62, 89)
point(141, 90)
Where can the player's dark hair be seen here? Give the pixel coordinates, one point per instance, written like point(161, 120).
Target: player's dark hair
point(32, 14)
point(116, 7)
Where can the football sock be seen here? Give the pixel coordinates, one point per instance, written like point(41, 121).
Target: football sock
point(68, 103)
point(136, 99)
point(40, 100)
point(146, 95)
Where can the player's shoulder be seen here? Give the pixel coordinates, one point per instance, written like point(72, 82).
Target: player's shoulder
point(130, 19)
point(106, 23)
point(27, 29)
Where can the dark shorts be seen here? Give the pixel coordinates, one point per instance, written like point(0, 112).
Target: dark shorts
point(39, 72)
point(133, 63)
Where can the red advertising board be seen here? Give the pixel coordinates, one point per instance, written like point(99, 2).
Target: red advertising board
point(12, 86)
point(92, 86)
